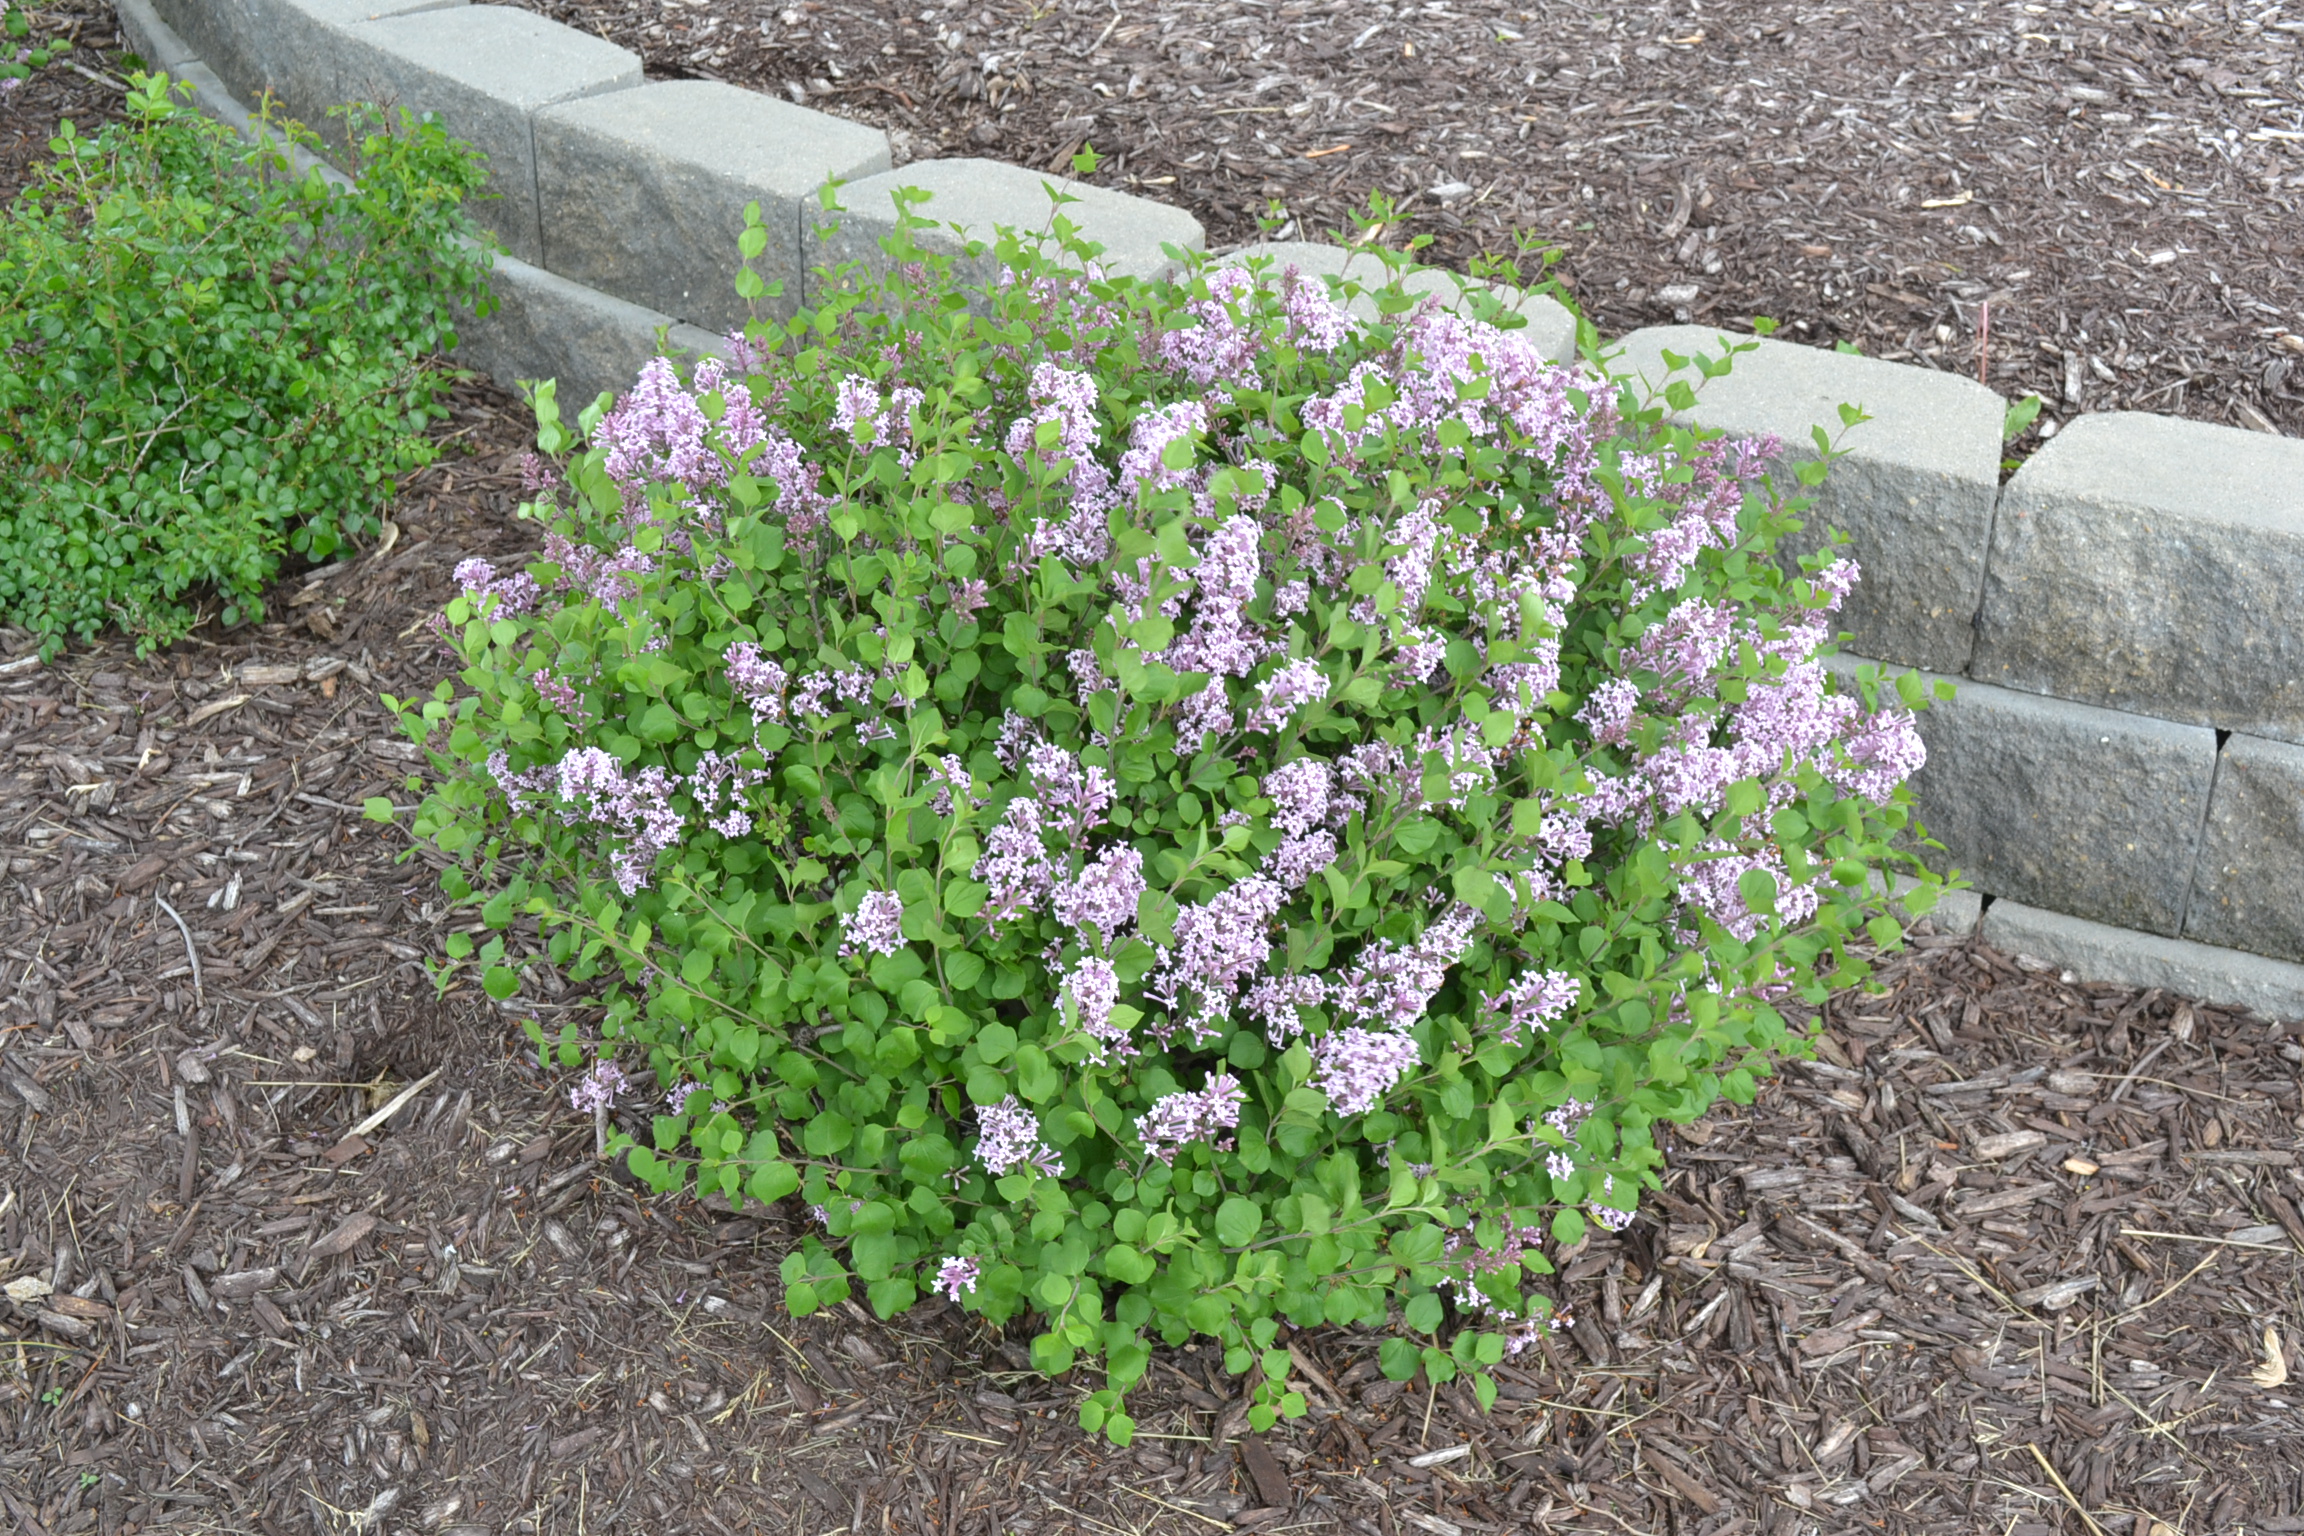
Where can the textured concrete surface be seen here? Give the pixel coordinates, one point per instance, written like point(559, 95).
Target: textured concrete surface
point(642, 193)
point(1915, 492)
point(2249, 890)
point(2068, 806)
point(292, 50)
point(985, 196)
point(2154, 565)
point(2099, 952)
point(151, 38)
point(486, 70)
point(1551, 328)
point(546, 327)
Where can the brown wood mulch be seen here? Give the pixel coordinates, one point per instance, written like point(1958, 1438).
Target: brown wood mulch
point(2007, 1251)
point(2120, 181)
point(2009, 1248)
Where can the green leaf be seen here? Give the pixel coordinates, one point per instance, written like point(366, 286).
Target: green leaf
point(500, 982)
point(1237, 1220)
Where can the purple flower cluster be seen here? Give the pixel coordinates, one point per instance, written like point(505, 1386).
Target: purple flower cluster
point(1356, 1067)
point(757, 680)
point(1104, 893)
point(598, 1088)
point(1220, 943)
point(1011, 1139)
point(957, 1277)
point(638, 807)
point(678, 1099)
point(514, 594)
point(1279, 696)
point(1094, 987)
point(1533, 1001)
point(1175, 1120)
point(876, 927)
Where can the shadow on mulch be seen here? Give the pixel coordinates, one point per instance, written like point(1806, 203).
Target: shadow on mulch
point(2010, 1245)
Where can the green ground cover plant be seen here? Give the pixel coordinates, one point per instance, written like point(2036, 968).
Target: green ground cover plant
point(1157, 807)
point(214, 360)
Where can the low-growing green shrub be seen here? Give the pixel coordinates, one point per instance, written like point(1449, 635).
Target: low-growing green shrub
point(1147, 804)
point(212, 360)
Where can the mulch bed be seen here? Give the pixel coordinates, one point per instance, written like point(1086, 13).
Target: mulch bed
point(88, 94)
point(1890, 1296)
point(1887, 1297)
point(2120, 181)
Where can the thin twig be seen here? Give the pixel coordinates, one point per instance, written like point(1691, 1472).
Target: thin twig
point(2129, 1081)
point(199, 992)
point(2058, 1479)
point(398, 1099)
point(2194, 1237)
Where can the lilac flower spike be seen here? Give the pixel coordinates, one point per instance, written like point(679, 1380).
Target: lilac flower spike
point(1011, 1139)
point(598, 1088)
point(957, 1277)
point(1178, 1119)
point(875, 927)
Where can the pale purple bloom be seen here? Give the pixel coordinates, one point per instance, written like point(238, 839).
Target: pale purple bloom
point(1143, 468)
point(1094, 987)
point(514, 594)
point(1315, 321)
point(1014, 865)
point(1221, 641)
point(1220, 943)
point(1011, 1138)
point(677, 1100)
point(1559, 1165)
point(1356, 1067)
point(1886, 750)
point(1220, 346)
point(1391, 984)
point(953, 785)
point(1607, 710)
point(1073, 797)
point(1299, 792)
point(559, 696)
point(756, 679)
point(1104, 893)
point(1536, 999)
point(1176, 1119)
point(593, 786)
point(1274, 1000)
point(1283, 693)
point(1294, 863)
point(597, 1089)
point(875, 927)
point(1567, 1117)
point(957, 1277)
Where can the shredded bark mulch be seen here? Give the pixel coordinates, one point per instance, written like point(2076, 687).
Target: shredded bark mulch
point(305, 1240)
point(82, 84)
point(2119, 181)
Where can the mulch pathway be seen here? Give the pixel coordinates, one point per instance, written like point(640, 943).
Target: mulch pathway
point(2120, 181)
point(2010, 1246)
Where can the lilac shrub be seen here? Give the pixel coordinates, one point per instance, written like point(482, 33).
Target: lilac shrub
point(1158, 807)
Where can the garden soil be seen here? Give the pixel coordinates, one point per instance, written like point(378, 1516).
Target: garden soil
point(306, 1241)
point(2122, 183)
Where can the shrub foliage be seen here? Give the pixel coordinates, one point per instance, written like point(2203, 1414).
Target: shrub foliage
point(1151, 805)
point(213, 359)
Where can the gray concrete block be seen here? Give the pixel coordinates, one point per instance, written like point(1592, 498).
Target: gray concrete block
point(150, 37)
point(486, 70)
point(2248, 892)
point(545, 327)
point(1915, 492)
point(2153, 564)
point(985, 196)
point(2099, 952)
point(2066, 806)
point(1551, 328)
point(291, 50)
point(642, 192)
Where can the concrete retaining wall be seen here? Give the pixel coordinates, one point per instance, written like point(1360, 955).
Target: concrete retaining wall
point(2121, 774)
